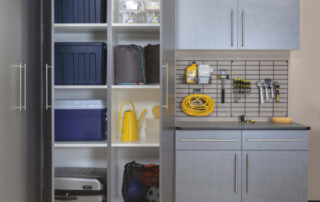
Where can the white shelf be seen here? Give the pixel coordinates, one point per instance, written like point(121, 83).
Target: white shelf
point(148, 142)
point(136, 86)
point(82, 28)
point(81, 87)
point(86, 144)
point(136, 28)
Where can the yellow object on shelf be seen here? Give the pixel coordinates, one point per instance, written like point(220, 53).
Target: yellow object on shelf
point(197, 105)
point(130, 125)
point(192, 73)
point(281, 120)
point(156, 111)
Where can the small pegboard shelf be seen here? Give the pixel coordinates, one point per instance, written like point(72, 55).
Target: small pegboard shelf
point(254, 70)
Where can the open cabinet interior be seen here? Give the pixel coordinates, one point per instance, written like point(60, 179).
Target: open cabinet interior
point(110, 153)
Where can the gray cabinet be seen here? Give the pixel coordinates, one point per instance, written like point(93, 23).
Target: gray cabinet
point(238, 24)
point(277, 176)
point(263, 165)
point(269, 24)
point(206, 24)
point(208, 176)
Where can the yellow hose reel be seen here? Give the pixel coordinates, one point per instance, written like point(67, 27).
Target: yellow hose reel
point(197, 105)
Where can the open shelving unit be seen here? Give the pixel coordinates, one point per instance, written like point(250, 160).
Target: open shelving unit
point(112, 152)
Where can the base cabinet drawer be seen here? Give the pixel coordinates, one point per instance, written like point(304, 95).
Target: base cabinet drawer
point(275, 140)
point(208, 140)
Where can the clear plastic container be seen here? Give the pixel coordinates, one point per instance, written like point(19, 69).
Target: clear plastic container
point(131, 5)
point(153, 17)
point(152, 5)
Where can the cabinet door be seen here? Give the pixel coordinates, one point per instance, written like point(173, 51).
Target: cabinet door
point(47, 82)
point(208, 176)
point(269, 24)
point(206, 24)
point(167, 100)
point(277, 176)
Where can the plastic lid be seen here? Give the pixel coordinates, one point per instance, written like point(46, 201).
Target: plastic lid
point(79, 104)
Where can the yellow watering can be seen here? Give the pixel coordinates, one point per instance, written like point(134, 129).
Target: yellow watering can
point(130, 128)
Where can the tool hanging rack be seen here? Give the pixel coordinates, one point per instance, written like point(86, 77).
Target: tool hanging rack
point(253, 70)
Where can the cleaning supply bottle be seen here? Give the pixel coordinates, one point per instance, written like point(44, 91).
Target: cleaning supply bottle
point(192, 73)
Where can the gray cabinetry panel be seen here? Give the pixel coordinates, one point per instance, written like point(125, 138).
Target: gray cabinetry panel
point(275, 140)
point(208, 140)
point(269, 24)
point(208, 176)
point(206, 24)
point(277, 176)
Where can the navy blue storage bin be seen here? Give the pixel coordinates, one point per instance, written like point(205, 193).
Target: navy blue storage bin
point(80, 63)
point(79, 120)
point(80, 11)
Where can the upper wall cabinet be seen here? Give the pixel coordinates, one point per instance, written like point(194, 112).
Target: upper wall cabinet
point(238, 24)
point(269, 24)
point(206, 24)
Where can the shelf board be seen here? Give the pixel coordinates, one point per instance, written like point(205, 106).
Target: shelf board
point(135, 86)
point(81, 87)
point(149, 142)
point(85, 144)
point(136, 28)
point(80, 28)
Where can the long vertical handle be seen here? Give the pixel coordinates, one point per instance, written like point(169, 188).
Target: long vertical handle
point(236, 174)
point(261, 95)
point(223, 95)
point(243, 27)
point(166, 66)
point(20, 87)
point(248, 173)
point(232, 28)
point(25, 87)
point(47, 93)
point(267, 93)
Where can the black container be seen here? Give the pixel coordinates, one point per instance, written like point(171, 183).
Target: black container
point(80, 63)
point(80, 11)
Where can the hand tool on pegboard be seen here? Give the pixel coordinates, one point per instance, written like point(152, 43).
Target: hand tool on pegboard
point(223, 76)
point(277, 89)
point(260, 86)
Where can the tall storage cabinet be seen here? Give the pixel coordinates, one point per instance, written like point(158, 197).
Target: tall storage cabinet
point(112, 153)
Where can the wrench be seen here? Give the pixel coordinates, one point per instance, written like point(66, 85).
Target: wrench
point(260, 86)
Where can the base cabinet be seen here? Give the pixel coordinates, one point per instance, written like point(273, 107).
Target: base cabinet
point(208, 176)
point(277, 174)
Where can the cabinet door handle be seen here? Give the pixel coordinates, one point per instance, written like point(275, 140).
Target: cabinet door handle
point(20, 86)
point(236, 175)
point(248, 173)
point(25, 86)
point(232, 28)
point(166, 66)
point(206, 140)
point(248, 140)
point(243, 27)
point(47, 84)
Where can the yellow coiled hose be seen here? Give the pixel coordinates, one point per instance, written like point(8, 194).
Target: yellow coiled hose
point(197, 105)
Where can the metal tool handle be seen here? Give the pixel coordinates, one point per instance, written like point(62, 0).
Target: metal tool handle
point(166, 105)
point(236, 174)
point(25, 87)
point(206, 140)
point(232, 28)
point(47, 84)
point(243, 27)
point(267, 93)
point(248, 173)
point(272, 92)
point(223, 96)
point(261, 95)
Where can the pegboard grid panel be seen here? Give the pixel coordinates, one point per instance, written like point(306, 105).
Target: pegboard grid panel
point(254, 70)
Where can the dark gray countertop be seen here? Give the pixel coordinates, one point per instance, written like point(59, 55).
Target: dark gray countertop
point(238, 126)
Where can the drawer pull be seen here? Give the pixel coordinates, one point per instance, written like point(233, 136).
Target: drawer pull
point(206, 140)
point(275, 140)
